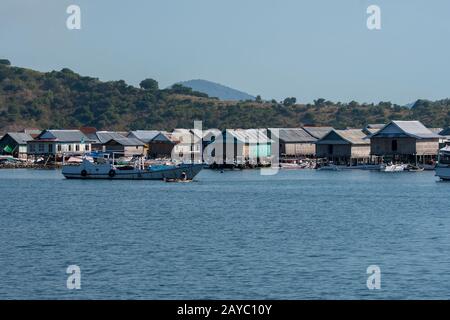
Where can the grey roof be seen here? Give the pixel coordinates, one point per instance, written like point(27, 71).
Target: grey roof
point(63, 136)
point(144, 135)
point(352, 136)
point(318, 132)
point(414, 129)
point(248, 135)
point(291, 135)
point(124, 141)
point(445, 132)
point(19, 137)
point(104, 136)
point(436, 130)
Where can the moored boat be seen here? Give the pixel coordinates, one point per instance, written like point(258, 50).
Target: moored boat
point(442, 168)
point(105, 168)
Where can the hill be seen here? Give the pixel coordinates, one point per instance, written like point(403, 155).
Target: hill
point(65, 99)
point(217, 90)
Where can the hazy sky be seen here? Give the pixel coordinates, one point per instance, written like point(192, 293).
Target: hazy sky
point(307, 49)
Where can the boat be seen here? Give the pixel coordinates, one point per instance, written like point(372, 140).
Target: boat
point(393, 168)
point(105, 168)
point(442, 168)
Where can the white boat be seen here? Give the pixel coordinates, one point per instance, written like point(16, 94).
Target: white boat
point(393, 168)
point(105, 168)
point(442, 168)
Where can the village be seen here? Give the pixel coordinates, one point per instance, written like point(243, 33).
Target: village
point(407, 143)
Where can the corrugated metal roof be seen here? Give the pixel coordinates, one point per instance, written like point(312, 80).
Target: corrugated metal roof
point(352, 136)
point(20, 137)
point(318, 132)
point(127, 141)
point(248, 136)
point(413, 129)
point(104, 136)
point(63, 136)
point(292, 135)
point(144, 135)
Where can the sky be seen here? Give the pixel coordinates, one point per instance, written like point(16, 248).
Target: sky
point(307, 49)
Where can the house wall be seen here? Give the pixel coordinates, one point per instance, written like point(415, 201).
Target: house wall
point(298, 149)
point(360, 151)
point(51, 147)
point(383, 146)
point(427, 147)
point(126, 151)
point(339, 150)
point(160, 149)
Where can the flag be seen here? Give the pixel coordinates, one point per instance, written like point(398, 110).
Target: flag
point(8, 149)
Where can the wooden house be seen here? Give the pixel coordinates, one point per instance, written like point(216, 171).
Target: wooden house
point(53, 143)
point(240, 147)
point(158, 144)
point(127, 147)
point(15, 144)
point(293, 142)
point(405, 141)
point(349, 147)
point(100, 138)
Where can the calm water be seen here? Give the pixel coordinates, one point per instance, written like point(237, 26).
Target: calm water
point(296, 235)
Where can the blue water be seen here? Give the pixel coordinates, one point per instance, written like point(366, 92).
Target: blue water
point(233, 235)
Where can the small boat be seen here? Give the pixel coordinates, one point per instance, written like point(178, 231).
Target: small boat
point(105, 168)
point(412, 168)
point(442, 168)
point(393, 168)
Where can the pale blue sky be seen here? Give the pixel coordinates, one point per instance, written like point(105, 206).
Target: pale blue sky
point(307, 49)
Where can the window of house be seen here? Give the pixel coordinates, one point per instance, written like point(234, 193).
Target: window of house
point(31, 147)
point(86, 147)
point(394, 145)
point(50, 148)
point(77, 147)
point(59, 147)
point(70, 147)
point(330, 149)
point(41, 147)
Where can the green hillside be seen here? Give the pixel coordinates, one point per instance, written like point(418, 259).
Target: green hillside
point(65, 99)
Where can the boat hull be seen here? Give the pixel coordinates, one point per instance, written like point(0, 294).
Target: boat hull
point(443, 172)
point(183, 172)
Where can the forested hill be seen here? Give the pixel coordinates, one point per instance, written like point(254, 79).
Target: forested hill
point(65, 99)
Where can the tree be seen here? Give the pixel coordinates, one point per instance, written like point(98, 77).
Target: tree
point(5, 62)
point(289, 101)
point(258, 99)
point(149, 84)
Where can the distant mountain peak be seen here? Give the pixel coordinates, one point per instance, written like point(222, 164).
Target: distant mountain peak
point(217, 90)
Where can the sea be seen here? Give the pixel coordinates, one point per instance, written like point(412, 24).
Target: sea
point(298, 234)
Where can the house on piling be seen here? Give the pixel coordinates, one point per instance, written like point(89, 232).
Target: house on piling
point(405, 141)
point(349, 147)
point(241, 147)
point(158, 144)
point(293, 142)
point(100, 138)
point(53, 143)
point(15, 144)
